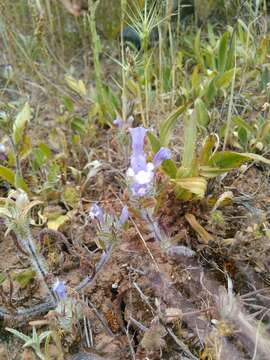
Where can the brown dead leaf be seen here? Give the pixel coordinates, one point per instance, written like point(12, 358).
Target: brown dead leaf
point(204, 236)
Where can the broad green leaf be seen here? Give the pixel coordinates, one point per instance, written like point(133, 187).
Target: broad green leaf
point(231, 159)
point(197, 49)
point(155, 143)
point(57, 222)
point(168, 125)
point(20, 183)
point(20, 122)
point(238, 121)
point(78, 125)
point(196, 185)
point(264, 133)
point(223, 51)
point(7, 175)
point(170, 168)
point(224, 80)
point(201, 113)
point(209, 146)
point(23, 278)
point(195, 78)
point(210, 91)
point(190, 142)
point(212, 172)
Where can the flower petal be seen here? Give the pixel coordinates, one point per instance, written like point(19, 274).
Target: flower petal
point(137, 137)
point(124, 216)
point(59, 288)
point(96, 213)
point(163, 154)
point(138, 162)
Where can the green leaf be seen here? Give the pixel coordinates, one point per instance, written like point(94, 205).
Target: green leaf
point(155, 143)
point(212, 172)
point(20, 122)
point(19, 334)
point(78, 125)
point(223, 51)
point(232, 160)
point(168, 125)
point(201, 113)
point(224, 80)
point(23, 278)
point(190, 142)
point(210, 145)
point(170, 168)
point(196, 185)
point(238, 121)
point(7, 175)
point(197, 49)
point(21, 184)
point(2, 278)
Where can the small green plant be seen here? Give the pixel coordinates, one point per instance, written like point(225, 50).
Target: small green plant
point(253, 136)
point(35, 341)
point(190, 178)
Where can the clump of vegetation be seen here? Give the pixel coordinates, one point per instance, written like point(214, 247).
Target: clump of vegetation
point(134, 172)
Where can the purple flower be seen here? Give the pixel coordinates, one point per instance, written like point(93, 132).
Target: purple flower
point(137, 137)
point(96, 213)
point(162, 154)
point(118, 121)
point(140, 172)
point(124, 216)
point(59, 288)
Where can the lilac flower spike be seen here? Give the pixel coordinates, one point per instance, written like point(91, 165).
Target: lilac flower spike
point(124, 216)
point(162, 155)
point(96, 213)
point(141, 173)
point(59, 288)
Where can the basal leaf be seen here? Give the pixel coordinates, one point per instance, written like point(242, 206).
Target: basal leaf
point(231, 159)
point(190, 141)
point(168, 125)
point(223, 51)
point(209, 146)
point(224, 80)
point(196, 185)
point(201, 113)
